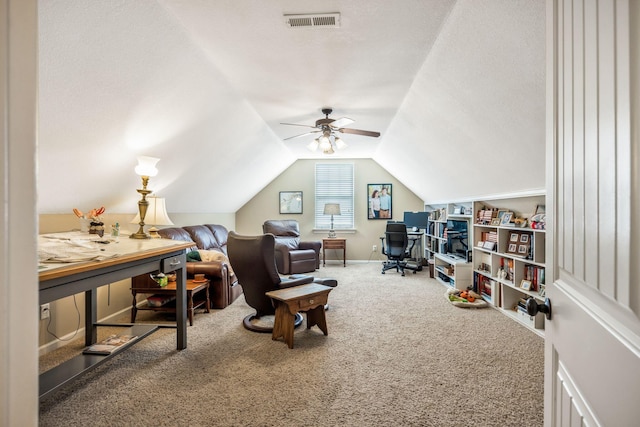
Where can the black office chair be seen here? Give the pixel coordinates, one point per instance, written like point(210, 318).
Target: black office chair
point(396, 246)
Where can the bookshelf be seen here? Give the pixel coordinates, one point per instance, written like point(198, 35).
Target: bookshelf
point(507, 261)
point(509, 256)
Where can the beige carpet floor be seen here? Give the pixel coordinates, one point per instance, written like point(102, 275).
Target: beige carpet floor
point(397, 354)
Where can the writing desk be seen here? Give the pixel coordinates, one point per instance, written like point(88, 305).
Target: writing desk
point(124, 259)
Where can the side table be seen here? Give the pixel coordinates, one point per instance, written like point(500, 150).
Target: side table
point(192, 286)
point(310, 298)
point(334, 243)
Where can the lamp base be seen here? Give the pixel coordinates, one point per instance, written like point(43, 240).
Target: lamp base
point(332, 234)
point(140, 235)
point(153, 233)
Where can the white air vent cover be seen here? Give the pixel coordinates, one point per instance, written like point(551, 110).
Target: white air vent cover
point(323, 20)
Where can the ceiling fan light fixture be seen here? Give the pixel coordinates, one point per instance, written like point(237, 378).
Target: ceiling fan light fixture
point(328, 150)
point(313, 145)
point(340, 144)
point(325, 143)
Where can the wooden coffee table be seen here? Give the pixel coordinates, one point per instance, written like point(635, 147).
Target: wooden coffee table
point(193, 288)
point(310, 298)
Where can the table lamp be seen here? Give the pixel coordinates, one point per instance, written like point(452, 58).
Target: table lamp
point(146, 168)
point(332, 209)
point(156, 215)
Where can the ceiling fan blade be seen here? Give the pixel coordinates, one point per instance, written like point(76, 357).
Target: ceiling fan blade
point(342, 122)
point(296, 124)
point(360, 132)
point(302, 134)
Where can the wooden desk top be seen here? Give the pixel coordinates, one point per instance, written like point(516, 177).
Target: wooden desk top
point(296, 292)
point(125, 250)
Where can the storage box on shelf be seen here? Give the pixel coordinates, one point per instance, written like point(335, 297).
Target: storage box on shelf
point(509, 256)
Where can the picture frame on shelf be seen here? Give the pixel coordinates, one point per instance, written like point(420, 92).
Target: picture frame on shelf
point(501, 213)
point(495, 221)
point(290, 202)
point(514, 237)
point(541, 209)
point(523, 249)
point(379, 201)
point(506, 218)
point(526, 285)
point(524, 238)
point(542, 292)
point(512, 248)
point(489, 245)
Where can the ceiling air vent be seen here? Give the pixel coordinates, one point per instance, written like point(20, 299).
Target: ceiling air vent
point(323, 20)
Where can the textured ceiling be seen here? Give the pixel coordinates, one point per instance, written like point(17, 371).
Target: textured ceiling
point(204, 85)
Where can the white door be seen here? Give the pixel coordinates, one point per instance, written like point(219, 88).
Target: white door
point(592, 349)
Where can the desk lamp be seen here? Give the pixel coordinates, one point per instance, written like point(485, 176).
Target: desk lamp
point(332, 209)
point(146, 168)
point(156, 215)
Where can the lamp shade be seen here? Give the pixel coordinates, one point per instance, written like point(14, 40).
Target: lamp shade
point(156, 213)
point(332, 209)
point(147, 166)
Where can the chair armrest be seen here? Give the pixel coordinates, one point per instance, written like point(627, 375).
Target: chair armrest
point(208, 268)
point(316, 246)
point(297, 281)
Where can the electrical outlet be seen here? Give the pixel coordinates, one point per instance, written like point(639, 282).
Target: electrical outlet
point(375, 248)
point(45, 311)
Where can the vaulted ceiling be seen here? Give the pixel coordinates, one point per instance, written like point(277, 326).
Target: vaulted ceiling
point(456, 89)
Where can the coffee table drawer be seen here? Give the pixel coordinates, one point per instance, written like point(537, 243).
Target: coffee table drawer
point(312, 301)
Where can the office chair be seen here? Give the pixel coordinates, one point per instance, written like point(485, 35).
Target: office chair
point(395, 245)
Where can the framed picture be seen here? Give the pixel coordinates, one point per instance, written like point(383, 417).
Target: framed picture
point(506, 218)
point(290, 202)
point(542, 292)
point(524, 238)
point(495, 221)
point(489, 245)
point(501, 214)
point(523, 249)
point(541, 209)
point(512, 249)
point(526, 285)
point(513, 238)
point(379, 198)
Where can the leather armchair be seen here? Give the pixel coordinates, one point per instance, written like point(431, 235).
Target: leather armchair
point(254, 259)
point(292, 255)
point(224, 287)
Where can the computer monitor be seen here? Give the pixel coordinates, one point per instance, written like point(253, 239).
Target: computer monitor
point(418, 220)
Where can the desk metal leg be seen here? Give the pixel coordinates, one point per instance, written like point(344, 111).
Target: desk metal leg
point(181, 308)
point(90, 316)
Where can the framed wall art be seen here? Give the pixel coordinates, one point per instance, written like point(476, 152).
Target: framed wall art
point(290, 202)
point(379, 198)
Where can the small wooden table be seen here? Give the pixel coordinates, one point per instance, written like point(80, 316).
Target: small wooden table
point(310, 298)
point(170, 290)
point(335, 243)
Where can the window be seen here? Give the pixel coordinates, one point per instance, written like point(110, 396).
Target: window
point(334, 184)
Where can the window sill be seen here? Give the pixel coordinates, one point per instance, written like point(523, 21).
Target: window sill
point(338, 232)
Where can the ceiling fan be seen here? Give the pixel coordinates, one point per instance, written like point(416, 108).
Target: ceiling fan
point(329, 127)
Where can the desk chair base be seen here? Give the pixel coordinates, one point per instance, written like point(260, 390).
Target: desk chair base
point(400, 266)
point(249, 325)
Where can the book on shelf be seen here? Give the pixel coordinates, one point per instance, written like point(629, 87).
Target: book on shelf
point(109, 345)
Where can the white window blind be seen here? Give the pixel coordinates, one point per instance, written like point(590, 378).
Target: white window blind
point(334, 184)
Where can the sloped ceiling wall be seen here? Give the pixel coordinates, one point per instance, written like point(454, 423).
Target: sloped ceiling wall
point(121, 79)
point(473, 123)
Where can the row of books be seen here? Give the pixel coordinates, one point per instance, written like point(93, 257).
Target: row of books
point(535, 275)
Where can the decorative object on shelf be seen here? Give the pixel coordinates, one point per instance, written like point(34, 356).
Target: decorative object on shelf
point(379, 201)
point(161, 279)
point(332, 209)
point(156, 215)
point(146, 168)
point(505, 221)
point(526, 285)
point(538, 221)
point(91, 222)
point(290, 202)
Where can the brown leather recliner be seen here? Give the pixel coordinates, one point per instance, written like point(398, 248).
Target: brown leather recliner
point(224, 287)
point(254, 258)
point(292, 255)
